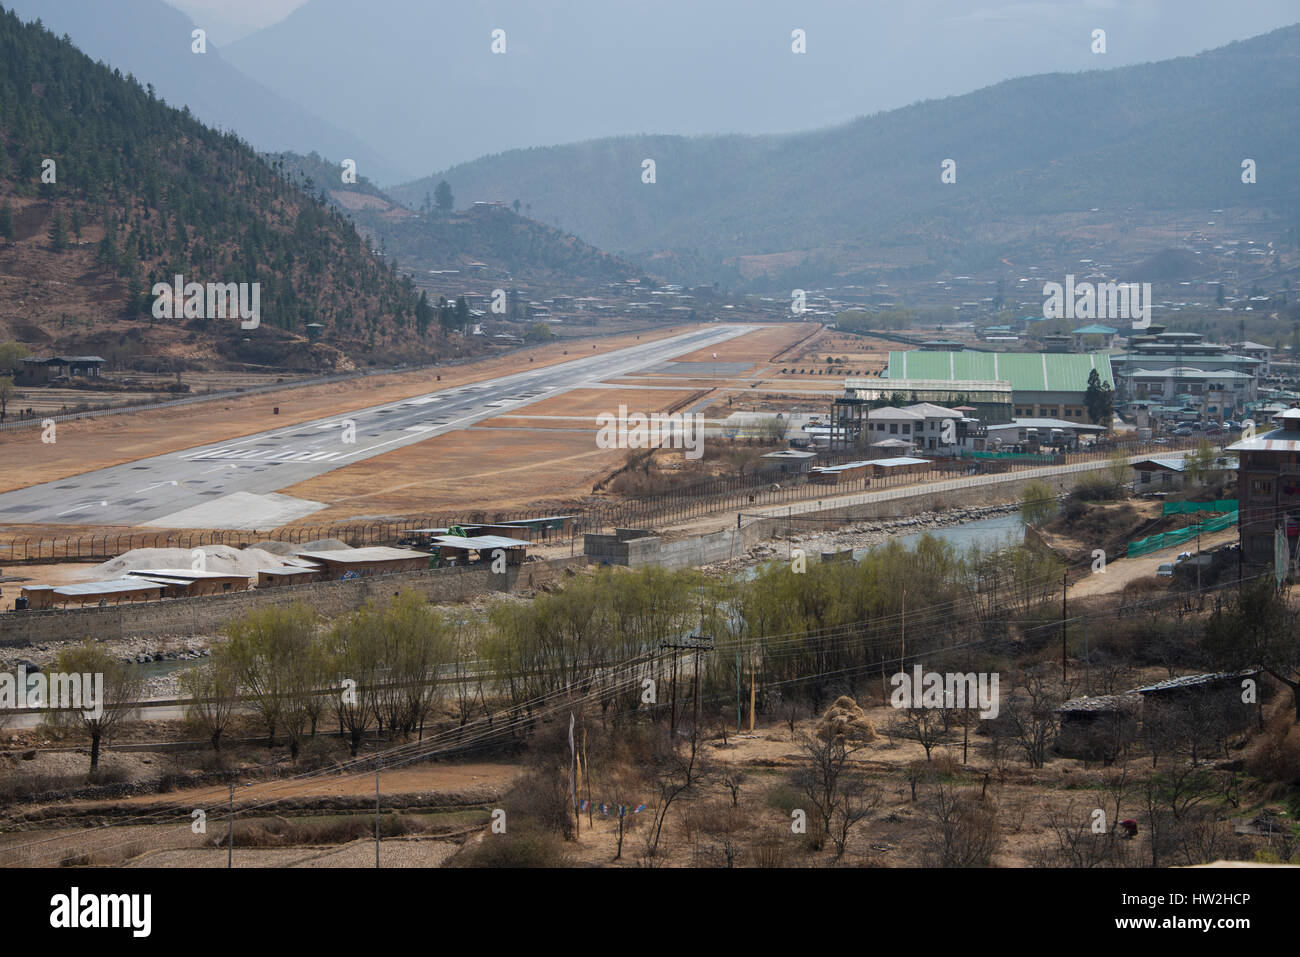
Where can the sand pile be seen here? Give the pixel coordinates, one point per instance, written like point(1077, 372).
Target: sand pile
point(322, 545)
point(217, 558)
point(845, 719)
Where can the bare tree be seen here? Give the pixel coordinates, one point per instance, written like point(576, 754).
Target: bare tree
point(838, 797)
point(1031, 714)
point(965, 832)
point(926, 726)
point(121, 688)
point(212, 688)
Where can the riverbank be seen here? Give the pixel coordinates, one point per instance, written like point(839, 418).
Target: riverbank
point(861, 535)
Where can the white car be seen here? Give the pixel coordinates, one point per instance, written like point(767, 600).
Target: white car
point(1166, 570)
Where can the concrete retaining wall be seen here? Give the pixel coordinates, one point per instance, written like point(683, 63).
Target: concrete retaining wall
point(205, 616)
point(622, 549)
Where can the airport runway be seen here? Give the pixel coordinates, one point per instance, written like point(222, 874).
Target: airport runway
point(234, 484)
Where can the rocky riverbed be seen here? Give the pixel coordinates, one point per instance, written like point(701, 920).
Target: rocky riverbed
point(138, 651)
point(860, 535)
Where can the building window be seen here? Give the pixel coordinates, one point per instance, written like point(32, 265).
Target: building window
point(1261, 487)
point(1146, 478)
point(893, 429)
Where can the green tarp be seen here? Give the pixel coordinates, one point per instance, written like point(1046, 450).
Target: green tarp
point(1188, 508)
point(1154, 543)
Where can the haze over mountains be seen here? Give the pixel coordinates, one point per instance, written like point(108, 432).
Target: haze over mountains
point(151, 40)
point(495, 236)
point(416, 79)
point(1166, 138)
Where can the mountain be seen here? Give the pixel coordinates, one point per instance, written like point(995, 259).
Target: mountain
point(487, 235)
point(152, 41)
point(417, 79)
point(1162, 140)
point(139, 192)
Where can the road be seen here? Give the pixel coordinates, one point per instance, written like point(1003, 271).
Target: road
point(233, 484)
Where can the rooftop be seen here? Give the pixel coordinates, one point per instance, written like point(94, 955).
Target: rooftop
point(1027, 372)
point(479, 542)
point(358, 556)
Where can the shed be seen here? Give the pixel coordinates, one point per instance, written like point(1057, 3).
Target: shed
point(92, 593)
point(187, 582)
point(458, 549)
point(348, 563)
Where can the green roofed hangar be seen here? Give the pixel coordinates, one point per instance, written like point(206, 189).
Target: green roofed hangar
point(1043, 384)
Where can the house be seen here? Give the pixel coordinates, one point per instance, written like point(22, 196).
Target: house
point(1268, 486)
point(1097, 727)
point(790, 460)
point(35, 370)
point(1159, 474)
point(1095, 335)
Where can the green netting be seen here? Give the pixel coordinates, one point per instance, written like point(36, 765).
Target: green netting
point(1013, 456)
point(1154, 543)
point(1187, 508)
point(1220, 523)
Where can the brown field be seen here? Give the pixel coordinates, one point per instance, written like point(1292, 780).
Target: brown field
point(702, 828)
point(89, 444)
point(757, 347)
point(460, 470)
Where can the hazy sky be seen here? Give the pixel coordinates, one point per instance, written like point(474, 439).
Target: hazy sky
point(228, 20)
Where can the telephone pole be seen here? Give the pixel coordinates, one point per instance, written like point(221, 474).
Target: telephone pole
point(1065, 580)
point(230, 831)
point(697, 644)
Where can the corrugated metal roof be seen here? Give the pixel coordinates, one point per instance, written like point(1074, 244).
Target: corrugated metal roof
point(1191, 681)
point(375, 553)
point(480, 541)
point(116, 586)
point(183, 574)
point(1027, 372)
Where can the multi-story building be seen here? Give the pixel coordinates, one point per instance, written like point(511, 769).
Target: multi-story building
point(1268, 485)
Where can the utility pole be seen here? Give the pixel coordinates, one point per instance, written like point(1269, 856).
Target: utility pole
point(672, 713)
point(737, 691)
point(902, 634)
point(1065, 580)
point(230, 831)
point(376, 812)
point(752, 683)
point(695, 643)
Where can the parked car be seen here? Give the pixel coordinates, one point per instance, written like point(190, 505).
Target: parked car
point(1166, 570)
point(1184, 556)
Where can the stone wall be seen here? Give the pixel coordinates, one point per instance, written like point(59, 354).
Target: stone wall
point(205, 616)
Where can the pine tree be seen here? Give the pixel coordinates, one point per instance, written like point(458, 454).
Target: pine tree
point(58, 232)
point(443, 197)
